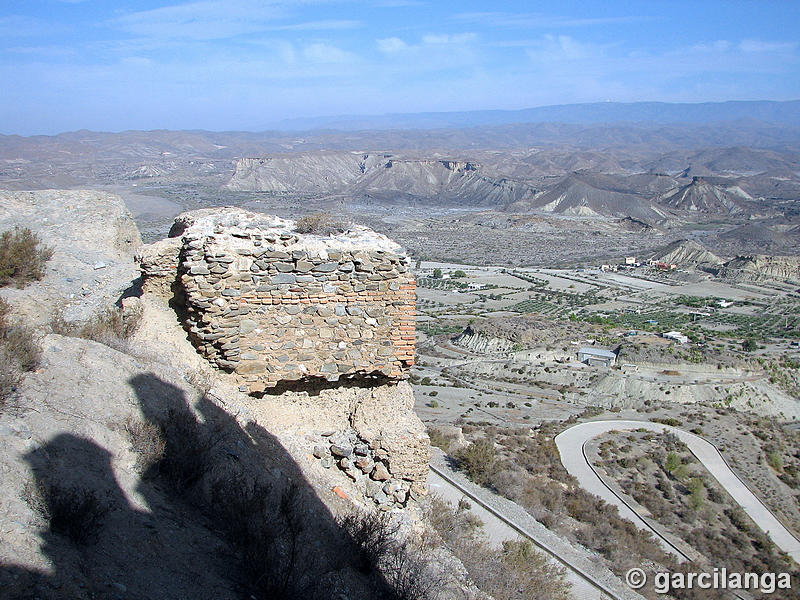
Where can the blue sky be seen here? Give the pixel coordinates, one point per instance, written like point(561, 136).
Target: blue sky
point(246, 64)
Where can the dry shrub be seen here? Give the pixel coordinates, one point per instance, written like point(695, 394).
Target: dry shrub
point(147, 441)
point(411, 575)
point(268, 533)
point(440, 439)
point(22, 257)
point(9, 378)
point(112, 327)
point(405, 567)
point(319, 224)
point(70, 511)
point(19, 343)
point(19, 352)
point(373, 535)
point(515, 572)
point(187, 450)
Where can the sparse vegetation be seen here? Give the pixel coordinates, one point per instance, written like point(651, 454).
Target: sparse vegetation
point(269, 523)
point(147, 441)
point(319, 224)
point(515, 572)
point(69, 510)
point(440, 440)
point(22, 257)
point(19, 352)
point(112, 327)
point(525, 467)
point(373, 534)
point(478, 460)
point(660, 473)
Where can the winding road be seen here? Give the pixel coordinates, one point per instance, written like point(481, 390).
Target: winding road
point(571, 445)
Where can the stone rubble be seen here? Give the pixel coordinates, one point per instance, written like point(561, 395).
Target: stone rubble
point(368, 465)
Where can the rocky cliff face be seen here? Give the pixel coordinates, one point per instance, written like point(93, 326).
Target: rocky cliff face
point(322, 172)
point(481, 343)
point(759, 267)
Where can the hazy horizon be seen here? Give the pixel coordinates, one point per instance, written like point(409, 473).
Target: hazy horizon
point(246, 65)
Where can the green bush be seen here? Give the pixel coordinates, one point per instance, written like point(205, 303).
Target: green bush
point(22, 257)
point(749, 345)
point(775, 460)
point(478, 460)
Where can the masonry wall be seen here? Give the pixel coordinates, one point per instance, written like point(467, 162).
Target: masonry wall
point(271, 313)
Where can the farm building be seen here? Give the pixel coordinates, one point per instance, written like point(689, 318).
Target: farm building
point(597, 357)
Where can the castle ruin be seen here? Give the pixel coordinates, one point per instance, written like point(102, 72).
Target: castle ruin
point(273, 305)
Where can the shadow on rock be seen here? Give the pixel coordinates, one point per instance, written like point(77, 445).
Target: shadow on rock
point(230, 516)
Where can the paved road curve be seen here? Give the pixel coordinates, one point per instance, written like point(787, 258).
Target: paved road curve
point(571, 444)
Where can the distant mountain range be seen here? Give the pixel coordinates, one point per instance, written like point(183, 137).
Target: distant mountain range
point(786, 113)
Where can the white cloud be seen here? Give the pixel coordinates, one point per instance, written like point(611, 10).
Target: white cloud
point(443, 38)
point(538, 20)
point(397, 3)
point(428, 44)
point(326, 53)
point(562, 48)
point(716, 46)
point(761, 46)
point(202, 20)
point(433, 52)
point(16, 26)
point(391, 45)
point(319, 25)
point(137, 61)
point(221, 19)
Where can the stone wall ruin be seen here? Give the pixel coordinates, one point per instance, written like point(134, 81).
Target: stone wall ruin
point(272, 305)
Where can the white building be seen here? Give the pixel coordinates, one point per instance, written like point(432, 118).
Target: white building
point(677, 336)
point(597, 357)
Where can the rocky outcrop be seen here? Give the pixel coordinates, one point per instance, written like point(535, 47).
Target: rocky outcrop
point(94, 420)
point(586, 194)
point(312, 173)
point(703, 196)
point(93, 238)
point(274, 305)
point(759, 267)
point(687, 252)
point(482, 343)
point(384, 451)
